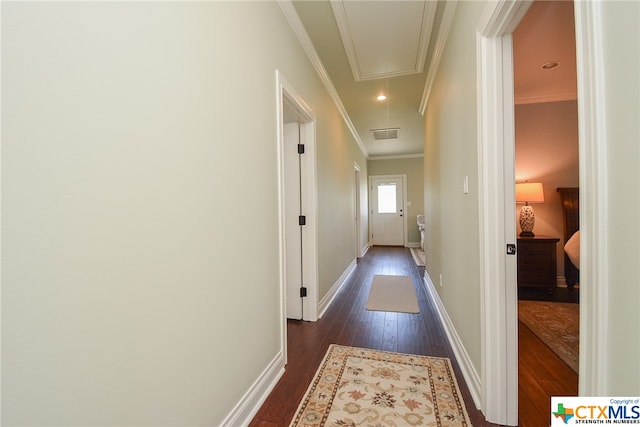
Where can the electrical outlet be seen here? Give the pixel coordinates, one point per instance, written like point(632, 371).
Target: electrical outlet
point(441, 280)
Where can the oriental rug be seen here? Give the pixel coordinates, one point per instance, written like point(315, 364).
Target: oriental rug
point(393, 293)
point(556, 324)
point(362, 387)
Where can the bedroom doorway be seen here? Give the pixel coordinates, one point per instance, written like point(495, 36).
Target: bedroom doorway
point(497, 199)
point(546, 156)
point(546, 153)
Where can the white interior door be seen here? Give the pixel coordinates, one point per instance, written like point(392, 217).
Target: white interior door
point(387, 211)
point(293, 205)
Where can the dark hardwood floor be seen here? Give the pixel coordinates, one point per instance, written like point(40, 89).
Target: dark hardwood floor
point(347, 322)
point(541, 374)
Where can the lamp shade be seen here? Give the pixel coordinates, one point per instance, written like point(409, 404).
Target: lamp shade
point(529, 192)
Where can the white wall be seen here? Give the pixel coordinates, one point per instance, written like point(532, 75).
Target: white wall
point(140, 281)
point(547, 152)
point(336, 231)
point(621, 68)
point(450, 154)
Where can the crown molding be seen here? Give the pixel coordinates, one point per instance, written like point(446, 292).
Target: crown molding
point(443, 33)
point(398, 157)
point(290, 13)
point(508, 16)
point(428, 17)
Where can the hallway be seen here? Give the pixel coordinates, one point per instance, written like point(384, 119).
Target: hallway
point(347, 322)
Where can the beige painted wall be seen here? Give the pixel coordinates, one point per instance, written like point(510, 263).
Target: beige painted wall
point(450, 155)
point(139, 170)
point(336, 154)
point(547, 152)
point(621, 68)
point(414, 169)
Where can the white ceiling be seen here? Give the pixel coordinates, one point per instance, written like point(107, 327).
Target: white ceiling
point(387, 47)
point(545, 34)
point(382, 40)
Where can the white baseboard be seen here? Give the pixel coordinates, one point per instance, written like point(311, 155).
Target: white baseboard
point(412, 245)
point(248, 406)
point(326, 301)
point(469, 372)
point(364, 250)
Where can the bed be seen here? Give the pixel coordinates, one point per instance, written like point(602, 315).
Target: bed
point(569, 197)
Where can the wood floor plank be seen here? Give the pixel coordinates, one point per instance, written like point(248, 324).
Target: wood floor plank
point(347, 322)
point(541, 375)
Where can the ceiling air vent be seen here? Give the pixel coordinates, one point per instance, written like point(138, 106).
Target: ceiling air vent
point(390, 133)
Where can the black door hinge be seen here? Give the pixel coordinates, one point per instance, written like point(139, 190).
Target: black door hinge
point(300, 148)
point(511, 249)
point(302, 220)
point(303, 292)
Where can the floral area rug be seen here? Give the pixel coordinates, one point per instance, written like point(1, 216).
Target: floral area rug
point(361, 387)
point(556, 324)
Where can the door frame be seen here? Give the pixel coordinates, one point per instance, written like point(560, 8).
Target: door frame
point(496, 143)
point(287, 95)
point(356, 209)
point(496, 188)
point(403, 178)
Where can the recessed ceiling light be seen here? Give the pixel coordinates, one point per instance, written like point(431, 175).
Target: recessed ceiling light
point(550, 65)
point(381, 97)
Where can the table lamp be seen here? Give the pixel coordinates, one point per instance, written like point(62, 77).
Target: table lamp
point(528, 192)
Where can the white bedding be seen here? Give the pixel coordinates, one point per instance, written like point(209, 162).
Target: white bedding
point(572, 249)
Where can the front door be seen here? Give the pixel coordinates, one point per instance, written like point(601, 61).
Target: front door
point(387, 211)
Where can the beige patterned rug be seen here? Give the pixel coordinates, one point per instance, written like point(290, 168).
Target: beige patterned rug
point(393, 293)
point(556, 324)
point(361, 387)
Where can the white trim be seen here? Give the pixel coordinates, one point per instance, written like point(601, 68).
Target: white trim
point(286, 93)
point(469, 373)
point(428, 16)
point(357, 209)
point(412, 245)
point(2, 371)
point(281, 215)
point(250, 403)
point(499, 339)
point(397, 157)
point(326, 301)
point(300, 32)
point(364, 250)
point(443, 33)
point(347, 40)
point(501, 17)
point(594, 346)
